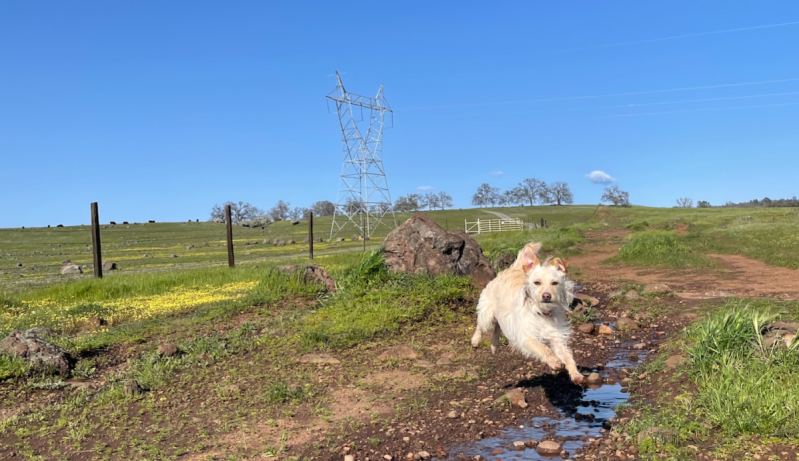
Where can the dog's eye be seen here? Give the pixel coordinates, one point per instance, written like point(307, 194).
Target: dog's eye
point(537, 282)
point(554, 283)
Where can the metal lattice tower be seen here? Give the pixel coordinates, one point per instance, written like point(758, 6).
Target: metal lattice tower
point(363, 196)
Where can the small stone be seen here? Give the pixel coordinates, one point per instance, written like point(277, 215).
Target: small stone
point(498, 451)
point(632, 294)
point(605, 330)
point(548, 448)
point(168, 349)
point(387, 457)
point(424, 455)
point(424, 364)
point(452, 414)
point(319, 358)
point(131, 388)
point(673, 361)
point(626, 323)
point(633, 357)
point(594, 378)
point(349, 458)
point(519, 445)
point(587, 328)
point(399, 352)
point(444, 361)
point(514, 397)
point(639, 346)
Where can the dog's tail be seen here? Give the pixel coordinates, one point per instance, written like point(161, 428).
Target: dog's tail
point(536, 246)
point(485, 314)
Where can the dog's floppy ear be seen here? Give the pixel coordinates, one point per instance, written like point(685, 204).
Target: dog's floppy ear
point(529, 258)
point(535, 246)
point(560, 264)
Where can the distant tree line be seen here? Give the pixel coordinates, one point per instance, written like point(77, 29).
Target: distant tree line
point(430, 201)
point(765, 202)
point(246, 213)
point(530, 190)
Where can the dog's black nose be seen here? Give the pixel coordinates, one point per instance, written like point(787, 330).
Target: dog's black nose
point(547, 297)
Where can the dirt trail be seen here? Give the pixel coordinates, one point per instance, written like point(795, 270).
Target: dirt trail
point(735, 275)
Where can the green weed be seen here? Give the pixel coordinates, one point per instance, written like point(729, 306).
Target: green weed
point(658, 248)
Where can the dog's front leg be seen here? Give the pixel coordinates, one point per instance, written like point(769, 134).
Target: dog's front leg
point(562, 351)
point(543, 353)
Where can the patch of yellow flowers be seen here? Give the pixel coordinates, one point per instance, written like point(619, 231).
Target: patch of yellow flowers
point(123, 310)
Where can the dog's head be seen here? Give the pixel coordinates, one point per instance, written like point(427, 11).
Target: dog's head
point(546, 283)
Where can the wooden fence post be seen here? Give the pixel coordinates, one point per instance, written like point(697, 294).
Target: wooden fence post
point(98, 257)
point(310, 235)
point(230, 259)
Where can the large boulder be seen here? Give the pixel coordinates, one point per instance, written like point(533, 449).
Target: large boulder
point(109, 266)
point(41, 355)
point(421, 246)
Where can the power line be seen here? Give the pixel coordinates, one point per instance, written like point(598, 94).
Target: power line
point(605, 95)
point(700, 34)
point(707, 110)
point(621, 106)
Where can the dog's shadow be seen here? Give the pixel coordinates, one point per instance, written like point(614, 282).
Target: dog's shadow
point(559, 390)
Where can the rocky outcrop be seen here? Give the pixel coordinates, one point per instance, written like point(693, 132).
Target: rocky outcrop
point(41, 355)
point(421, 246)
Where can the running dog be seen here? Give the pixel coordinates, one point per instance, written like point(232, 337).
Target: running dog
point(529, 301)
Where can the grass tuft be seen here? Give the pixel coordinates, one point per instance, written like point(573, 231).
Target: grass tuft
point(658, 248)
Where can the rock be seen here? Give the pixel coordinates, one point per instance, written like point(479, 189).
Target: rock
point(19, 264)
point(174, 256)
point(626, 323)
point(504, 261)
point(340, 239)
point(656, 288)
point(587, 299)
point(424, 364)
point(781, 333)
point(349, 458)
point(399, 352)
point(616, 294)
point(639, 346)
point(420, 245)
point(514, 397)
point(443, 361)
point(278, 242)
point(658, 433)
point(593, 378)
point(519, 445)
point(290, 242)
point(319, 358)
point(497, 451)
point(318, 240)
point(109, 266)
point(633, 357)
point(355, 238)
point(168, 349)
point(673, 361)
point(605, 330)
point(295, 222)
point(266, 241)
point(587, 328)
point(632, 294)
point(548, 448)
point(312, 274)
point(190, 246)
point(41, 355)
point(71, 269)
point(452, 414)
point(423, 455)
point(131, 388)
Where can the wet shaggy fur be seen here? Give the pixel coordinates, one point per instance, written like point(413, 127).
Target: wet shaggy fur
point(528, 303)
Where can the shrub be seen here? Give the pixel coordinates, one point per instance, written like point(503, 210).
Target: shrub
point(658, 248)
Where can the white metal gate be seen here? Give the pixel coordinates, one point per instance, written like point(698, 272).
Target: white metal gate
point(483, 226)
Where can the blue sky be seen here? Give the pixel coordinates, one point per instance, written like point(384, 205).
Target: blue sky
point(158, 110)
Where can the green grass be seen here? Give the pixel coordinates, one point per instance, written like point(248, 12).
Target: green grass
point(745, 388)
point(559, 241)
point(660, 249)
point(374, 301)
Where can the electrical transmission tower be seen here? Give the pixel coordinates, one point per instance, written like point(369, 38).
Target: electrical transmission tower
point(363, 196)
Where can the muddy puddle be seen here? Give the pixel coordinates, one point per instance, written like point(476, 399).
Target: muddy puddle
point(584, 413)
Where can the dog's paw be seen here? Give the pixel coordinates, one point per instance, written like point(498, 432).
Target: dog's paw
point(493, 349)
point(578, 379)
point(556, 365)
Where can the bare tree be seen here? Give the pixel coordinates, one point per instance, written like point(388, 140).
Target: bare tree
point(703, 204)
point(405, 203)
point(280, 212)
point(512, 197)
point(444, 200)
point(239, 211)
point(353, 205)
point(559, 193)
point(431, 201)
point(486, 195)
point(323, 208)
point(298, 212)
point(616, 196)
point(532, 189)
point(685, 202)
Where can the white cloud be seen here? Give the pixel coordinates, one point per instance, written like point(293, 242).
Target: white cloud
point(425, 188)
point(498, 173)
point(600, 177)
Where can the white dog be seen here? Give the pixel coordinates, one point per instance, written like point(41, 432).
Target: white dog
point(529, 300)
